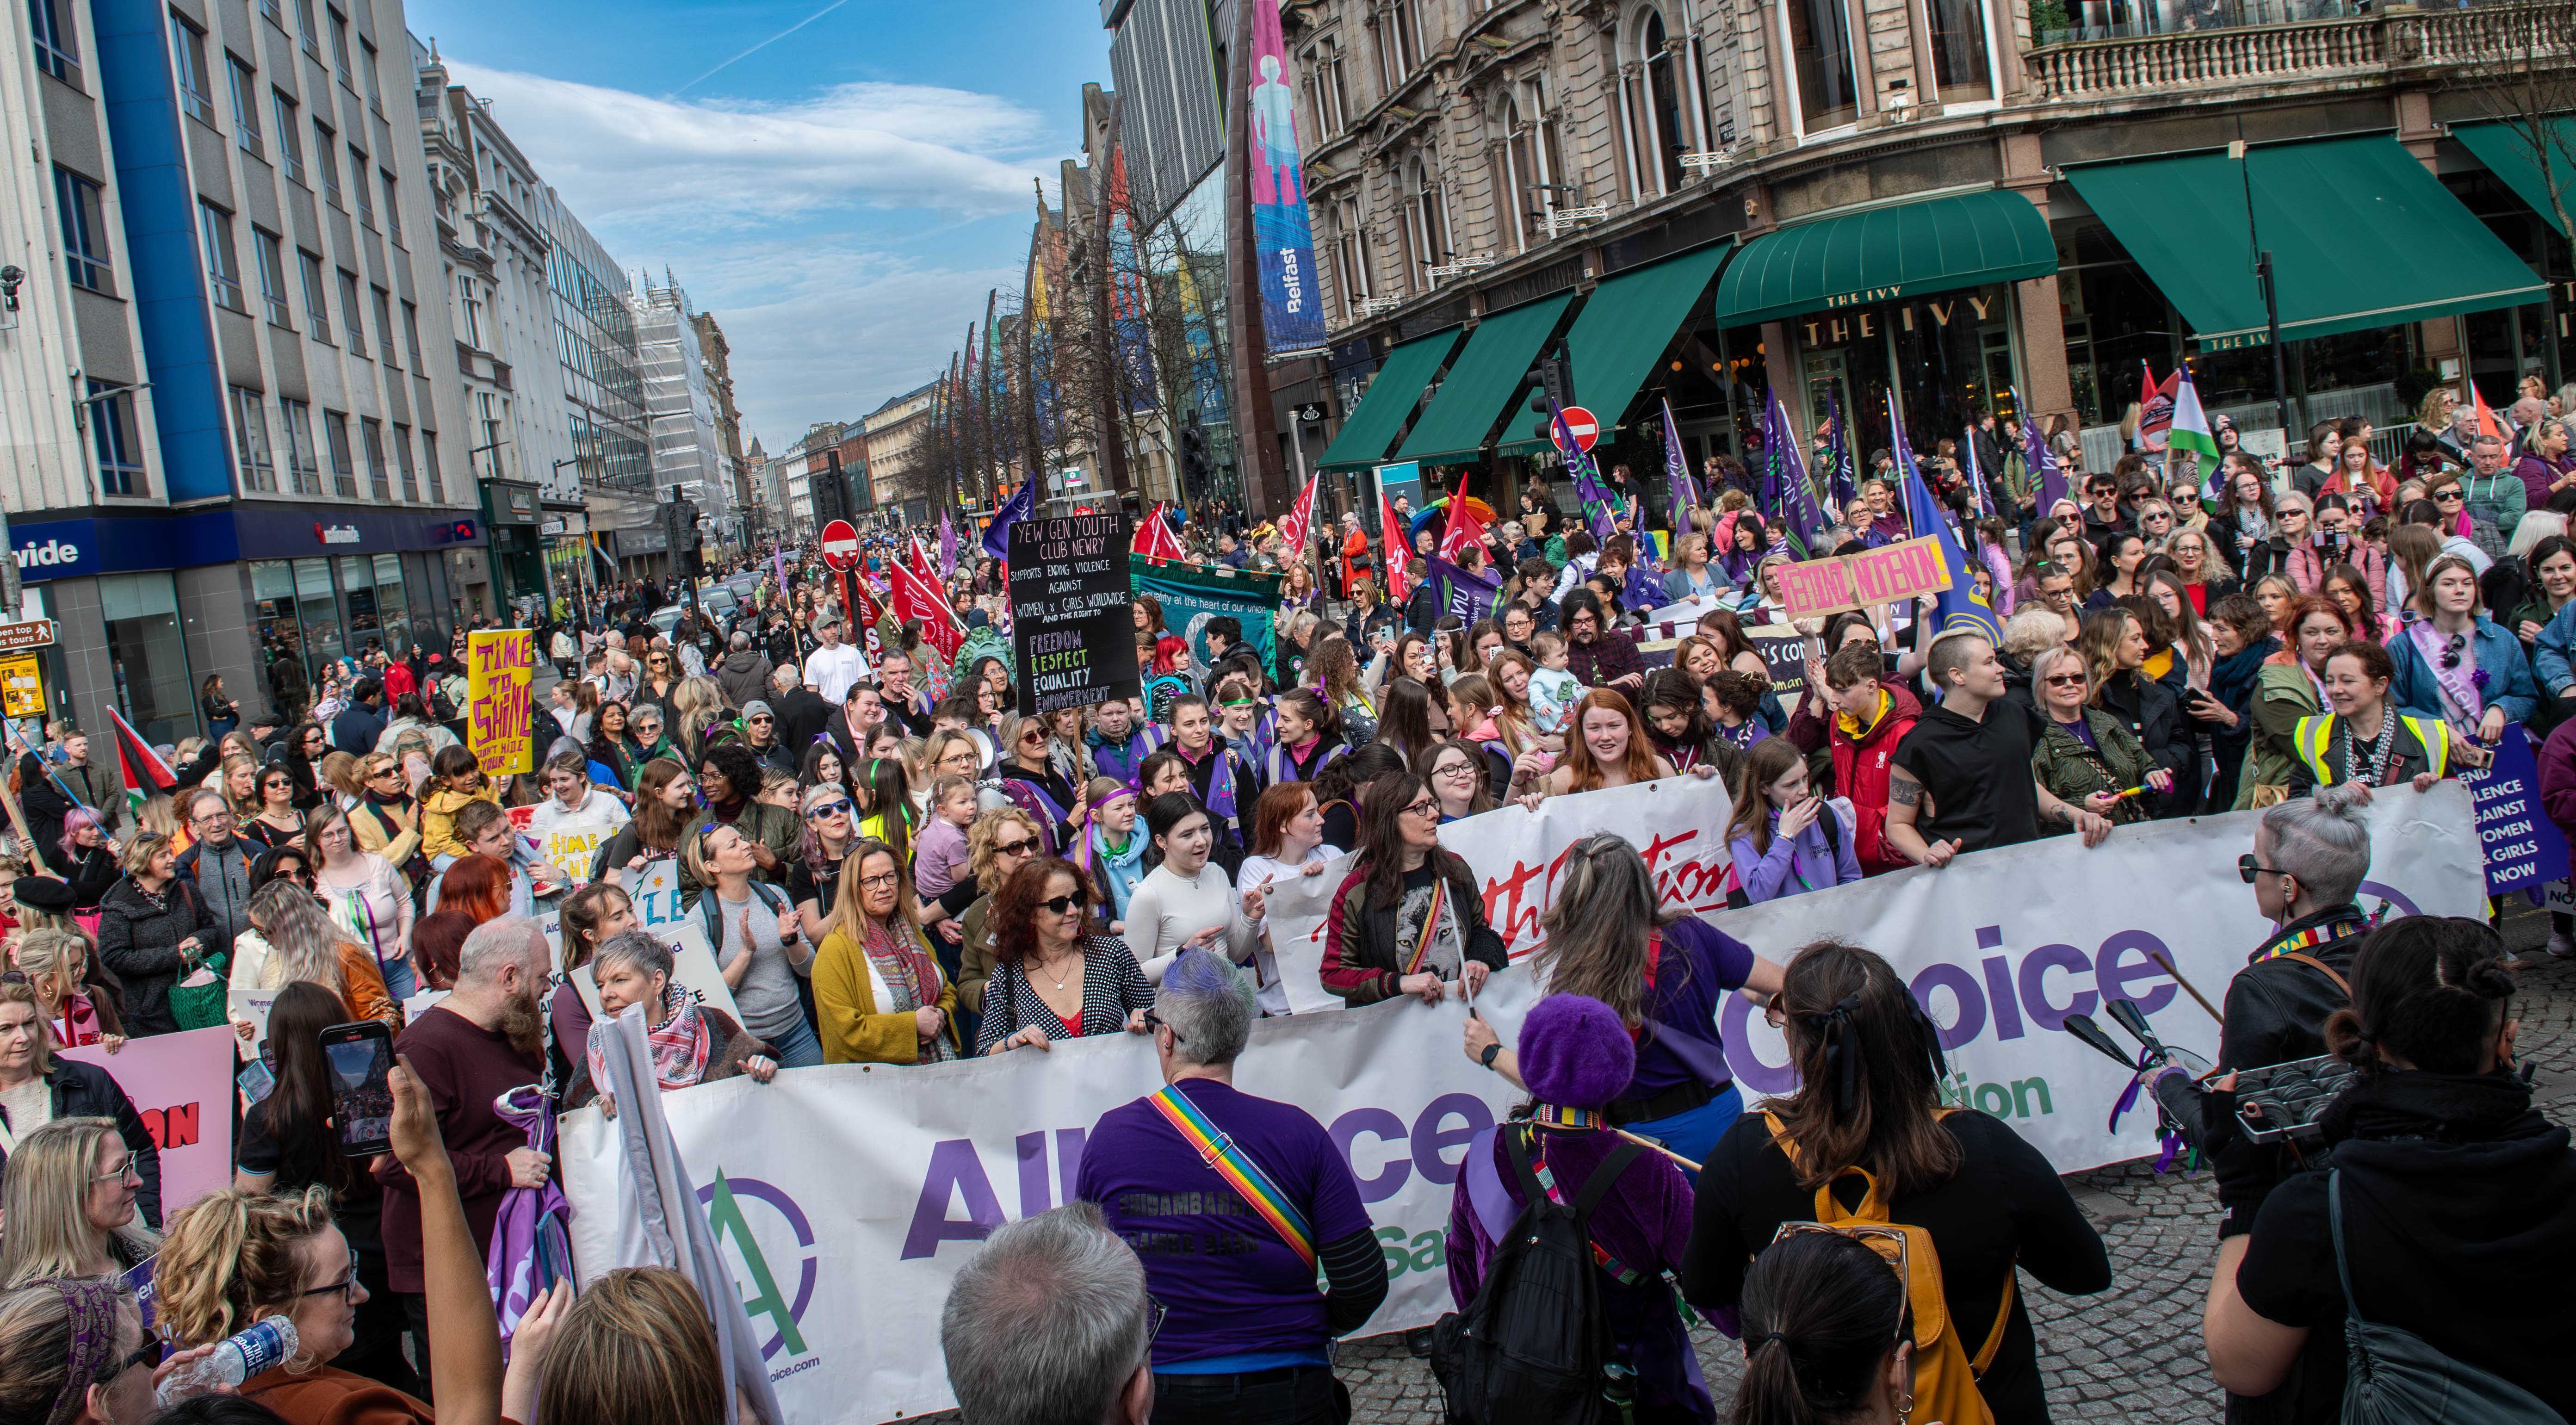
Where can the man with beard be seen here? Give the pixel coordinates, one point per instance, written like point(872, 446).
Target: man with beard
point(484, 1039)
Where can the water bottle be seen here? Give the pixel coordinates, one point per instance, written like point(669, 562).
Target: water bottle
point(234, 1360)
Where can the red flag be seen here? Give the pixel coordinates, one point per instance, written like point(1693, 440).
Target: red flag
point(2156, 407)
point(2488, 422)
point(1298, 523)
point(1464, 528)
point(916, 596)
point(145, 773)
point(865, 611)
point(1156, 540)
point(1399, 549)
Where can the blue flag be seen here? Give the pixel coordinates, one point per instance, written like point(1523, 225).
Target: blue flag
point(997, 536)
point(1956, 609)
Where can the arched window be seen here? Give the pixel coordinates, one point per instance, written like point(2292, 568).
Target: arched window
point(1530, 163)
point(1663, 94)
point(1519, 204)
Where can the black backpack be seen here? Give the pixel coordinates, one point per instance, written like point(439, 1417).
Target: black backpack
point(1534, 1347)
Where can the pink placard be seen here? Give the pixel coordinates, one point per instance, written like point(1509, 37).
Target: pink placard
point(182, 1085)
point(1814, 588)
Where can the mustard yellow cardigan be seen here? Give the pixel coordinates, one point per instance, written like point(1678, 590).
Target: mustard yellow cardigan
point(852, 1030)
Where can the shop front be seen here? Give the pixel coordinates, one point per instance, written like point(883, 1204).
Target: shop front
point(566, 538)
point(147, 608)
point(518, 551)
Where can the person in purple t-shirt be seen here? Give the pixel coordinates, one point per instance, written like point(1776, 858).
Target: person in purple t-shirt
point(1230, 1250)
point(1665, 973)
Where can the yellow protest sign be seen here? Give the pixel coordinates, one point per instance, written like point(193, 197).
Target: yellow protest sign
point(22, 686)
point(500, 666)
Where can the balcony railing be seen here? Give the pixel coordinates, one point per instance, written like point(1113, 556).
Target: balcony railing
point(2492, 38)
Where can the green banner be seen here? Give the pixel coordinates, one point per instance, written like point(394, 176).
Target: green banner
point(1191, 594)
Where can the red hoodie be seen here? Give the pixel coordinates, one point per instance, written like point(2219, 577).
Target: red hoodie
point(1860, 768)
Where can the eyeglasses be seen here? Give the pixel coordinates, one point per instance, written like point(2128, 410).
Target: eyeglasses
point(886, 880)
point(2057, 680)
point(839, 808)
point(762, 721)
point(346, 1287)
point(2444, 496)
point(1027, 739)
point(147, 1354)
point(1424, 807)
point(123, 1170)
point(1025, 846)
point(1455, 769)
point(1154, 1021)
point(2247, 868)
point(1067, 905)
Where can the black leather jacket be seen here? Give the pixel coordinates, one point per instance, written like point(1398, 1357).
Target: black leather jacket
point(2276, 1013)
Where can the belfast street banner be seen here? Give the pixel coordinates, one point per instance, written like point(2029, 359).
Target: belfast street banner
point(1292, 306)
point(1192, 594)
point(844, 1197)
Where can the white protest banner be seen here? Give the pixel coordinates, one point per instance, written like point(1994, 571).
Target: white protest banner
point(251, 1007)
point(181, 1085)
point(891, 1174)
point(573, 846)
point(655, 890)
point(692, 964)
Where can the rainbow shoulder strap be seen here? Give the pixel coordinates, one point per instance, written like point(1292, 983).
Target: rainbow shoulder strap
point(1237, 1168)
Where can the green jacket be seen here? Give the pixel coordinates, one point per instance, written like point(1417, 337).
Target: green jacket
point(2496, 504)
point(2282, 696)
point(2072, 771)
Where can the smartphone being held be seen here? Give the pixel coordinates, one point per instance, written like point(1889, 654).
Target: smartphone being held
point(361, 1057)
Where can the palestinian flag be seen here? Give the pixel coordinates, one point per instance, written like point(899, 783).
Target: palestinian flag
point(2190, 429)
point(146, 775)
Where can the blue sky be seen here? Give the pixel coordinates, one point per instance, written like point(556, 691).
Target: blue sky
point(840, 198)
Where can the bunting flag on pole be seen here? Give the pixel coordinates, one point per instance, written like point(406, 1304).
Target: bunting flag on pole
point(867, 614)
point(1399, 550)
point(1839, 484)
point(1677, 474)
point(146, 775)
point(1155, 540)
point(1956, 609)
point(2488, 421)
point(2045, 474)
point(997, 536)
point(2189, 434)
point(1299, 523)
point(1587, 480)
point(917, 596)
point(1786, 496)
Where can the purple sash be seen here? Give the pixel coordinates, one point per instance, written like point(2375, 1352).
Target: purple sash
point(530, 1248)
point(2461, 699)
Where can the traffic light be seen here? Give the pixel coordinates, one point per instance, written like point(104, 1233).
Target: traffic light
point(1197, 466)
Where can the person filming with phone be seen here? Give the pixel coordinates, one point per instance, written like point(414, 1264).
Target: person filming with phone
point(485, 1039)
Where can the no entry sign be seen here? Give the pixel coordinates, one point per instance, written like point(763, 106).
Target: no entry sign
point(1584, 427)
point(840, 545)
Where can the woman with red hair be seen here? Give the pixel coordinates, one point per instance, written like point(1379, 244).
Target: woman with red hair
point(477, 885)
point(436, 941)
point(1607, 747)
point(2290, 687)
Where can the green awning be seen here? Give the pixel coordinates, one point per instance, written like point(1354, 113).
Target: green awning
point(1482, 381)
point(1886, 254)
point(2361, 234)
point(1392, 394)
point(2506, 151)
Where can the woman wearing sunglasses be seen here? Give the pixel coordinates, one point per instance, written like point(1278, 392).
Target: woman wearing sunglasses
point(277, 821)
point(1054, 975)
point(879, 995)
point(831, 829)
point(1990, 1202)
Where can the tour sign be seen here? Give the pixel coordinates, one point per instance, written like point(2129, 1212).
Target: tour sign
point(840, 545)
point(1584, 427)
point(1072, 634)
point(29, 633)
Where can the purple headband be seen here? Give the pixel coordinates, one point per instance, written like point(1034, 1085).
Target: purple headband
point(92, 1303)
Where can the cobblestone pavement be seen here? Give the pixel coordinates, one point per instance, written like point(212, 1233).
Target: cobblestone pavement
point(2131, 1354)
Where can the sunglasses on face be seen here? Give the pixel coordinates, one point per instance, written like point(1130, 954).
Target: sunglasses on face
point(2059, 680)
point(2447, 495)
point(2247, 869)
point(839, 808)
point(1025, 846)
point(1066, 904)
point(1154, 1021)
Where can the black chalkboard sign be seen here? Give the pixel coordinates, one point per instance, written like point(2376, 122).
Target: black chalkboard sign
point(1073, 636)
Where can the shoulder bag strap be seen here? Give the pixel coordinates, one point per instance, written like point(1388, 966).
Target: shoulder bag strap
point(1230, 1162)
point(1985, 1356)
point(1603, 1179)
point(2334, 1232)
point(2323, 968)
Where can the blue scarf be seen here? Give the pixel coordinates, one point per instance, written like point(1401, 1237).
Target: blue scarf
point(1119, 871)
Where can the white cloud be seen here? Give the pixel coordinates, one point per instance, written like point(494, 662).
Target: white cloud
point(616, 154)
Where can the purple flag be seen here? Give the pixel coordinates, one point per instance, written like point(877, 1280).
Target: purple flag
point(1587, 483)
point(997, 536)
point(1785, 494)
point(531, 1250)
point(2051, 481)
point(1838, 479)
point(947, 548)
point(1469, 596)
point(1677, 471)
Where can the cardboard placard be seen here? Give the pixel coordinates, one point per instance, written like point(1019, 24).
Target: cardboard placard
point(1813, 588)
point(1072, 636)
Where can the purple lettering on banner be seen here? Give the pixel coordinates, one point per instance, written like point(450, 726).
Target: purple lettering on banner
point(1999, 995)
point(1347, 1129)
point(1068, 1159)
point(1033, 1174)
point(1430, 1140)
point(1734, 1019)
point(1963, 987)
point(2043, 1011)
point(954, 1169)
point(2115, 977)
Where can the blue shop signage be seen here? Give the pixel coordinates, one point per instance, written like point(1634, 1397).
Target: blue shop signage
point(77, 548)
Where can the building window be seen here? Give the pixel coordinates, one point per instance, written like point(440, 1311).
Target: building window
point(495, 416)
point(1817, 34)
point(1959, 71)
point(51, 21)
point(304, 469)
point(326, 156)
point(1426, 228)
point(1350, 257)
point(385, 323)
point(141, 614)
point(250, 441)
point(340, 44)
point(84, 229)
point(344, 471)
point(1399, 43)
point(1531, 161)
point(223, 269)
point(290, 143)
point(111, 433)
point(272, 275)
point(429, 463)
point(304, 28)
point(411, 334)
point(402, 458)
point(245, 107)
point(372, 431)
point(368, 61)
point(317, 306)
point(275, 12)
point(359, 185)
point(472, 306)
point(1652, 99)
point(352, 313)
point(393, 210)
point(188, 52)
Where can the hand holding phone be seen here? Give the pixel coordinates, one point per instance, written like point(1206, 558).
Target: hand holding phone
point(361, 1058)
